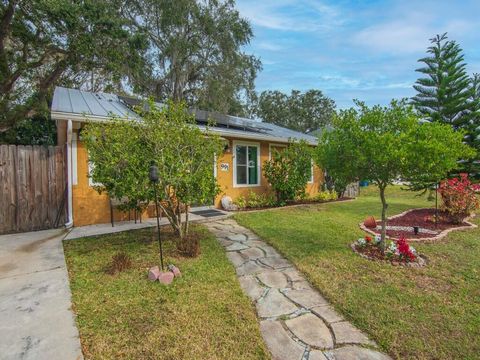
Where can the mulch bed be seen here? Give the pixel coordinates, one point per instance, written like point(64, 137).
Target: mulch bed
point(374, 253)
point(423, 218)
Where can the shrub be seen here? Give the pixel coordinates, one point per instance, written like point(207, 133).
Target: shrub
point(326, 196)
point(289, 171)
point(254, 200)
point(458, 197)
point(120, 262)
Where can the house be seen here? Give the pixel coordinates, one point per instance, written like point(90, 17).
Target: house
point(249, 140)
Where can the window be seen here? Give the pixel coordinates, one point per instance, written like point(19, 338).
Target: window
point(311, 174)
point(246, 164)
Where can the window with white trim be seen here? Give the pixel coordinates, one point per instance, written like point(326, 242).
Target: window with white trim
point(311, 173)
point(246, 164)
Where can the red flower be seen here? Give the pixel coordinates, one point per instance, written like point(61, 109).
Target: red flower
point(368, 239)
point(404, 249)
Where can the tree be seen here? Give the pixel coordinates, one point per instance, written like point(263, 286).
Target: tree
point(122, 152)
point(447, 95)
point(383, 144)
point(196, 53)
point(289, 170)
point(47, 42)
point(304, 112)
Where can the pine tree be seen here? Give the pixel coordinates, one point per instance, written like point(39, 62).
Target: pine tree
point(444, 93)
point(448, 95)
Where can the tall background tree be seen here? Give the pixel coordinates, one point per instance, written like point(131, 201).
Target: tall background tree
point(304, 112)
point(44, 43)
point(196, 53)
point(446, 93)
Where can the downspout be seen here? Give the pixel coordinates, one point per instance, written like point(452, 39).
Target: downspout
point(69, 222)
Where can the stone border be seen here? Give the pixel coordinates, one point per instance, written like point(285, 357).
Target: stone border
point(441, 235)
point(421, 262)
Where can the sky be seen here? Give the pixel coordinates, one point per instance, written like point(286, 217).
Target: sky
point(366, 50)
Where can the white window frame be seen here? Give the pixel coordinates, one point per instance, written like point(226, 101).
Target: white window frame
point(274, 145)
point(311, 181)
point(259, 167)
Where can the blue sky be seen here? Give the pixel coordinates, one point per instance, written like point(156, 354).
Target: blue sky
point(354, 49)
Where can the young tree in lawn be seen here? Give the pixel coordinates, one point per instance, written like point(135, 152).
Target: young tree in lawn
point(122, 152)
point(289, 170)
point(383, 144)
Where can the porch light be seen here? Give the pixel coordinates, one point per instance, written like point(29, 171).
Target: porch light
point(153, 173)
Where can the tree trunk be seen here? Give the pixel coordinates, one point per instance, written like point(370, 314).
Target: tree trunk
point(384, 217)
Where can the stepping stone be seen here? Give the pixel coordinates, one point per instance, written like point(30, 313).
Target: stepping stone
point(270, 251)
point(306, 298)
point(301, 285)
point(273, 279)
point(352, 352)
point(316, 355)
point(311, 330)
point(236, 247)
point(250, 267)
point(253, 253)
point(235, 258)
point(346, 333)
point(276, 262)
point(237, 237)
point(282, 346)
point(225, 243)
point(294, 275)
point(274, 304)
point(251, 286)
point(327, 313)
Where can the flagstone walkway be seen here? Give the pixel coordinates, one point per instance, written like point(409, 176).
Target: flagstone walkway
point(295, 320)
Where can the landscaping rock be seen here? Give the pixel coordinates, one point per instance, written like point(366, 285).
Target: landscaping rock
point(352, 352)
point(282, 346)
point(273, 279)
point(346, 333)
point(251, 286)
point(311, 330)
point(166, 278)
point(307, 298)
point(274, 304)
point(153, 273)
point(327, 313)
point(175, 270)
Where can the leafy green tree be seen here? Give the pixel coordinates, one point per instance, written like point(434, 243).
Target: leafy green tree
point(289, 170)
point(38, 130)
point(384, 144)
point(49, 42)
point(196, 53)
point(122, 152)
point(304, 112)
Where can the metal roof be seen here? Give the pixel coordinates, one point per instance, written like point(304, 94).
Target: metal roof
point(81, 105)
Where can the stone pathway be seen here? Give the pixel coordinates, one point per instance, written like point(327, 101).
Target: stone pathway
point(295, 320)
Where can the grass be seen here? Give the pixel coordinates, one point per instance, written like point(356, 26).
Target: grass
point(426, 313)
point(202, 315)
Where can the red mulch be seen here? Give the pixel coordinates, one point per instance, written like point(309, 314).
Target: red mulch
point(419, 217)
point(375, 253)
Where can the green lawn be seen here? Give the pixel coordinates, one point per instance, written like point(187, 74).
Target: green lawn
point(202, 315)
point(427, 313)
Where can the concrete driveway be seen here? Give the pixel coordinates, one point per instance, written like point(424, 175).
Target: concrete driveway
point(36, 320)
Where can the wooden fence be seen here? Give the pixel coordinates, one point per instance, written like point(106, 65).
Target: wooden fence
point(32, 184)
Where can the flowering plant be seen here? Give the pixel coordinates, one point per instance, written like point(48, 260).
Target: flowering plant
point(459, 197)
point(401, 250)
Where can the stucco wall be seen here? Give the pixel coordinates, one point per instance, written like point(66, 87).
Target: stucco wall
point(90, 207)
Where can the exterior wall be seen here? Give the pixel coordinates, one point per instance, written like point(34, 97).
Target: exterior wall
point(226, 181)
point(90, 207)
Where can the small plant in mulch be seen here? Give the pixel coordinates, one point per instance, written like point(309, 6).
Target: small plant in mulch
point(398, 252)
point(189, 246)
point(120, 262)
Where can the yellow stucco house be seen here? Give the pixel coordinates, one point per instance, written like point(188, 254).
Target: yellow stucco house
point(238, 170)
